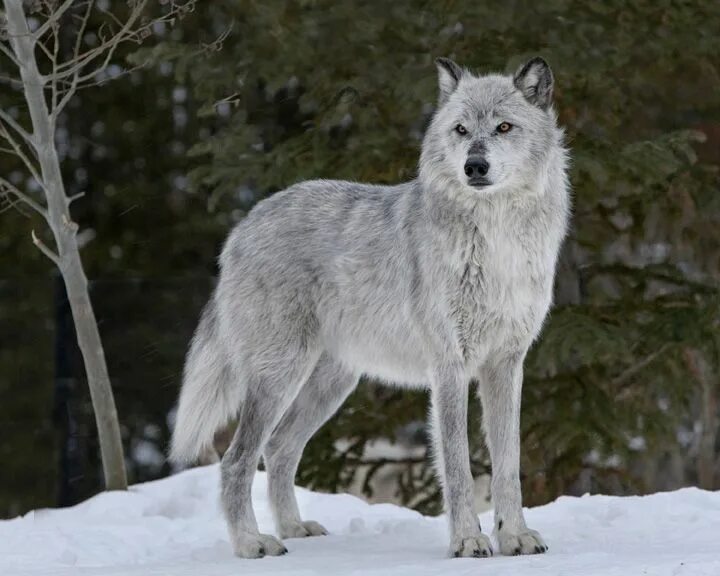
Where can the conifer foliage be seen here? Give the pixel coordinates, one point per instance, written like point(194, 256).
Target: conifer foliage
point(245, 97)
point(621, 389)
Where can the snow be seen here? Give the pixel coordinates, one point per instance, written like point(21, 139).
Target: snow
point(174, 526)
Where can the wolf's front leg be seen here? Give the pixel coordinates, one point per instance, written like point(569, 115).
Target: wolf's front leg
point(500, 392)
point(449, 414)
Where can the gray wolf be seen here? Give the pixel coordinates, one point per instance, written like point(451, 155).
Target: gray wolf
point(435, 283)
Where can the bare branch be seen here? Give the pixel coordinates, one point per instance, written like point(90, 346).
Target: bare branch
point(9, 188)
point(216, 45)
point(140, 34)
point(52, 18)
point(13, 82)
point(9, 53)
point(91, 83)
point(44, 249)
point(128, 32)
point(74, 197)
point(83, 26)
point(54, 60)
point(57, 108)
point(64, 100)
point(13, 205)
point(10, 121)
point(111, 15)
point(107, 47)
point(20, 154)
point(233, 99)
point(122, 36)
point(45, 49)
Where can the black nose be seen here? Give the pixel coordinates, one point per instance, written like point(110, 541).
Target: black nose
point(476, 166)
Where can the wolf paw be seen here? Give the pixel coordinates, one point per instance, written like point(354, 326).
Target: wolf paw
point(248, 545)
point(526, 542)
point(302, 529)
point(475, 547)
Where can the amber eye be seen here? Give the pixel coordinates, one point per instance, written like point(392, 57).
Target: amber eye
point(460, 129)
point(504, 127)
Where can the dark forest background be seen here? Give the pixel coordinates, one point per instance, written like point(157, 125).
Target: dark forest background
point(242, 98)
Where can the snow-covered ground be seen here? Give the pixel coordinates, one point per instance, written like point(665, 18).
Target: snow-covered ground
point(174, 526)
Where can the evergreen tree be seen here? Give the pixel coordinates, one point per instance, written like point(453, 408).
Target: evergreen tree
point(343, 90)
point(621, 389)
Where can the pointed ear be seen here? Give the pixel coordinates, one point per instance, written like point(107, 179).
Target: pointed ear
point(535, 81)
point(449, 75)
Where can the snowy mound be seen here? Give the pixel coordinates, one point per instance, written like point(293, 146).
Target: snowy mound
point(174, 526)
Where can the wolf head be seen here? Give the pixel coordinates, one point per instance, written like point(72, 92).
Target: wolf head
point(490, 132)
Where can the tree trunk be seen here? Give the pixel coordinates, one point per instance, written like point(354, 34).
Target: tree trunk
point(700, 369)
point(70, 264)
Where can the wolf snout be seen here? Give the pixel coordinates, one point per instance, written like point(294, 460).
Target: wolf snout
point(476, 168)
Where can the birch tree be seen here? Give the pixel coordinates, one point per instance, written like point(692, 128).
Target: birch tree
point(48, 70)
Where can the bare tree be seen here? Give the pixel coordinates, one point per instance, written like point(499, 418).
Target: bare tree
point(31, 41)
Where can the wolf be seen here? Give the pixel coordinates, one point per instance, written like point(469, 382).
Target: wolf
point(441, 283)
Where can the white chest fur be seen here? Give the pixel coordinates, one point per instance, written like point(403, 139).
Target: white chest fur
point(507, 262)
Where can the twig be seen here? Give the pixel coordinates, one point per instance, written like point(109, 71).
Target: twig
point(44, 249)
point(57, 108)
point(74, 89)
point(107, 48)
point(20, 154)
point(45, 49)
point(635, 368)
point(12, 189)
point(14, 82)
point(216, 44)
point(9, 53)
point(54, 60)
point(54, 17)
point(13, 205)
point(9, 120)
point(118, 39)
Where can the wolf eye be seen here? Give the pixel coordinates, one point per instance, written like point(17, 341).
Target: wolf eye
point(504, 127)
point(460, 129)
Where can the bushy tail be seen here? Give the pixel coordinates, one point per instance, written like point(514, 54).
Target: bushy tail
point(209, 398)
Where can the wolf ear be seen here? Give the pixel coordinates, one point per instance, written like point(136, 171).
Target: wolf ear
point(535, 81)
point(449, 75)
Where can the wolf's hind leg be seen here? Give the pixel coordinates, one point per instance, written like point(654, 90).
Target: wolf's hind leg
point(323, 393)
point(268, 394)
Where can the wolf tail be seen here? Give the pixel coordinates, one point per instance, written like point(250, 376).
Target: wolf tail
point(210, 396)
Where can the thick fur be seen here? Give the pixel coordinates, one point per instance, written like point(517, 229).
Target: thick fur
point(210, 395)
point(432, 283)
